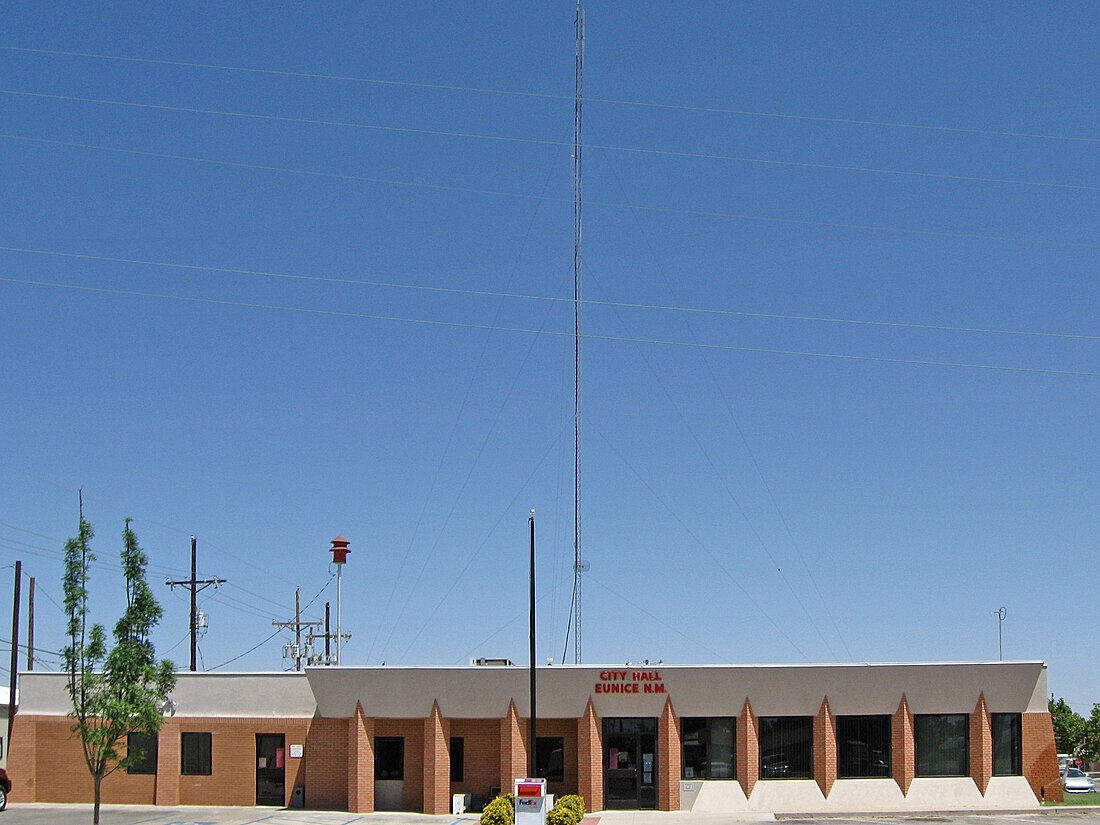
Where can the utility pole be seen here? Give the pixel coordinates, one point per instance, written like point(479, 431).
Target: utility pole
point(297, 624)
point(14, 648)
point(30, 627)
point(579, 564)
point(328, 634)
point(532, 762)
point(195, 586)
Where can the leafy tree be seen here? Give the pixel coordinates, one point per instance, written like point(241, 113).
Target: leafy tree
point(1074, 734)
point(121, 690)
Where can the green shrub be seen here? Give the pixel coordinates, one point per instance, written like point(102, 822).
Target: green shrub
point(572, 802)
point(499, 812)
point(561, 816)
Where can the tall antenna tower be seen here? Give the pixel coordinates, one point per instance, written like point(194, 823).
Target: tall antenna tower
point(579, 566)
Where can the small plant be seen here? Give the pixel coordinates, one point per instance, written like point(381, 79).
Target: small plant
point(501, 811)
point(573, 803)
point(561, 816)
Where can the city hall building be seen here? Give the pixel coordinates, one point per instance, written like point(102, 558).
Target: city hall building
point(791, 738)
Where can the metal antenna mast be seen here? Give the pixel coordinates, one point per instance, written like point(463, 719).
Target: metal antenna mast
point(579, 566)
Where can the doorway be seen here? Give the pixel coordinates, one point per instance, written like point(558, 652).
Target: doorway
point(270, 769)
point(630, 763)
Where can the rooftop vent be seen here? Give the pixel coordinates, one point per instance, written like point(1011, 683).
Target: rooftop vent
point(491, 663)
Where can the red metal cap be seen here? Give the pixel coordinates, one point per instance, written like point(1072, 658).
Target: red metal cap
point(340, 550)
point(530, 789)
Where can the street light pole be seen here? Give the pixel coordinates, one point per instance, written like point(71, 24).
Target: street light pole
point(1000, 614)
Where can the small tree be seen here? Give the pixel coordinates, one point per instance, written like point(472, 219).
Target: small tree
point(1073, 733)
point(118, 691)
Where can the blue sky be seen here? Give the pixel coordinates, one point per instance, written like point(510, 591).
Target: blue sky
point(748, 497)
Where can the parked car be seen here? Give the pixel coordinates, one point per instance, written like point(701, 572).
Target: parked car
point(5, 787)
point(1077, 781)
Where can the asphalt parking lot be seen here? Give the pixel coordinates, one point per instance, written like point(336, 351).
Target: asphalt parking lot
point(43, 814)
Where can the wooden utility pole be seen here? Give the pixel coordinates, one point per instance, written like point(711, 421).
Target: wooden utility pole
point(14, 648)
point(194, 585)
point(30, 626)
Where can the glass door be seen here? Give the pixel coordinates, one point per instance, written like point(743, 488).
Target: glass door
point(630, 763)
point(270, 769)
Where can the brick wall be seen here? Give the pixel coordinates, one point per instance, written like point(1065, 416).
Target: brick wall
point(981, 745)
point(22, 757)
point(513, 748)
point(903, 759)
point(326, 759)
point(590, 758)
point(481, 749)
point(437, 764)
point(748, 749)
point(412, 730)
point(1040, 756)
point(359, 770)
point(825, 748)
point(567, 730)
point(669, 759)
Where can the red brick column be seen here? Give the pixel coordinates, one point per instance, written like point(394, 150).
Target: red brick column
point(437, 764)
point(360, 762)
point(22, 757)
point(590, 758)
point(669, 759)
point(1040, 756)
point(748, 749)
point(825, 748)
point(168, 764)
point(904, 755)
point(513, 753)
point(981, 745)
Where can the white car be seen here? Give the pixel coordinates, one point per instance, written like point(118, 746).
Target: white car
point(1077, 781)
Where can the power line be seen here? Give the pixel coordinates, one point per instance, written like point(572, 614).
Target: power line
point(667, 210)
point(681, 107)
point(332, 313)
point(479, 293)
point(638, 150)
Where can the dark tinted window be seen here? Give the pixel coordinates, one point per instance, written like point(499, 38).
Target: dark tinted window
point(550, 758)
point(708, 747)
point(389, 757)
point(195, 753)
point(458, 758)
point(1007, 751)
point(144, 747)
point(862, 746)
point(786, 747)
point(943, 744)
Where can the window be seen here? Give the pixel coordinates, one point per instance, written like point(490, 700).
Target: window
point(943, 744)
point(1007, 750)
point(862, 746)
point(195, 750)
point(146, 761)
point(550, 758)
point(786, 747)
point(458, 758)
point(708, 747)
point(389, 757)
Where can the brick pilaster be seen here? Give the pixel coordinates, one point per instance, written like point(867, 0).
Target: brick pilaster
point(22, 757)
point(437, 764)
point(590, 758)
point(669, 759)
point(360, 762)
point(1040, 756)
point(903, 757)
point(825, 748)
point(513, 753)
point(168, 764)
point(981, 745)
point(748, 749)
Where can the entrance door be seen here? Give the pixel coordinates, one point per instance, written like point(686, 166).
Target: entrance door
point(270, 769)
point(630, 763)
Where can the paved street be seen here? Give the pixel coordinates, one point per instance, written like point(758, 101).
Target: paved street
point(42, 814)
